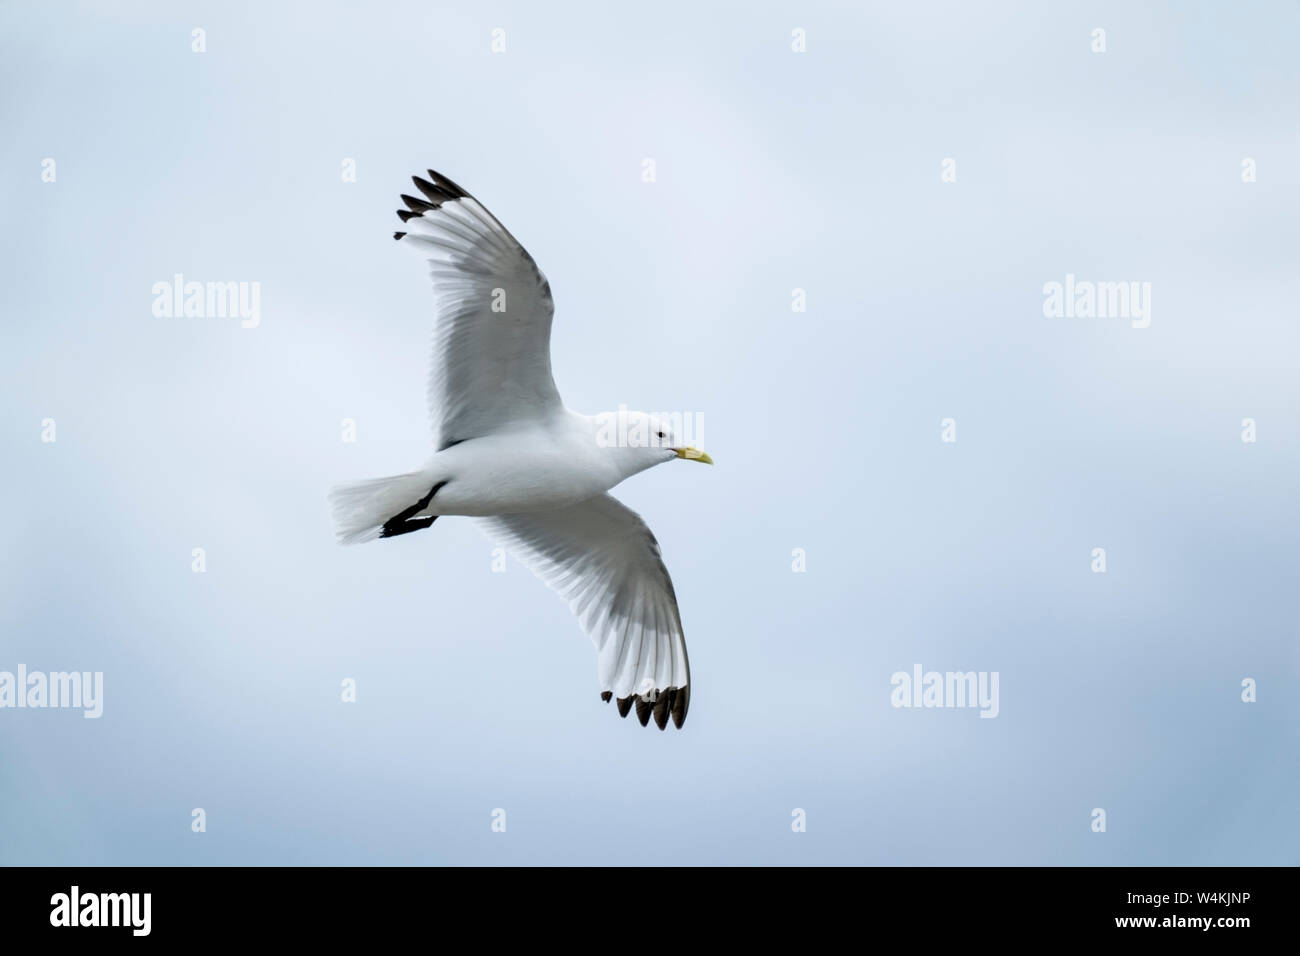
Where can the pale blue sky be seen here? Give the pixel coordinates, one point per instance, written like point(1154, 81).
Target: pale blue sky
point(776, 170)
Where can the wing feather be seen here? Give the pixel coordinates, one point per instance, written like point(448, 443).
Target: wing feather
point(600, 556)
point(491, 368)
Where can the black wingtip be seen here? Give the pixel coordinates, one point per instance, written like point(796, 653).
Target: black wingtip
point(417, 205)
point(437, 189)
point(662, 707)
point(443, 182)
point(435, 193)
point(672, 703)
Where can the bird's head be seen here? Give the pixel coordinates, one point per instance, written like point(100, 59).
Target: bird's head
point(643, 440)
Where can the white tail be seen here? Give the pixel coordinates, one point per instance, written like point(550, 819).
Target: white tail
point(360, 508)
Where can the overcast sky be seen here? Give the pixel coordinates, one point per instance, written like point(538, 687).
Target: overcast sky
point(773, 171)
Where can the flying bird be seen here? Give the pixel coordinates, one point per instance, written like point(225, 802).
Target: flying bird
point(508, 452)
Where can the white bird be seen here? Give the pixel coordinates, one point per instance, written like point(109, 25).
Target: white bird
point(508, 451)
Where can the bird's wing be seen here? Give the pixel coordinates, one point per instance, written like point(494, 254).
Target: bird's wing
point(491, 342)
point(601, 557)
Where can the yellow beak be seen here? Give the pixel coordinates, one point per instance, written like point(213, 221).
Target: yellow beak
point(693, 454)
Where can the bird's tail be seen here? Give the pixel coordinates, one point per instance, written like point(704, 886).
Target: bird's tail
point(380, 507)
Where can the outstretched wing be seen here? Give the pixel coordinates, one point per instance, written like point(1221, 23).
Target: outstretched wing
point(491, 366)
point(601, 557)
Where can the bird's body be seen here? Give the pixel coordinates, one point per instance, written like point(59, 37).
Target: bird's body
point(551, 464)
point(507, 451)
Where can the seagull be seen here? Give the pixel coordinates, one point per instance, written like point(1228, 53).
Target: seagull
point(534, 473)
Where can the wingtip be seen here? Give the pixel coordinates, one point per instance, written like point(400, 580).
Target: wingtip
point(681, 705)
point(437, 190)
point(446, 183)
point(644, 709)
point(671, 703)
point(661, 710)
point(417, 205)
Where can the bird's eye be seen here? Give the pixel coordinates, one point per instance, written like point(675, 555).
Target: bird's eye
point(662, 435)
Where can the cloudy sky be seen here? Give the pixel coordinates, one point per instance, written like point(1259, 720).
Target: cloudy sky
point(921, 171)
